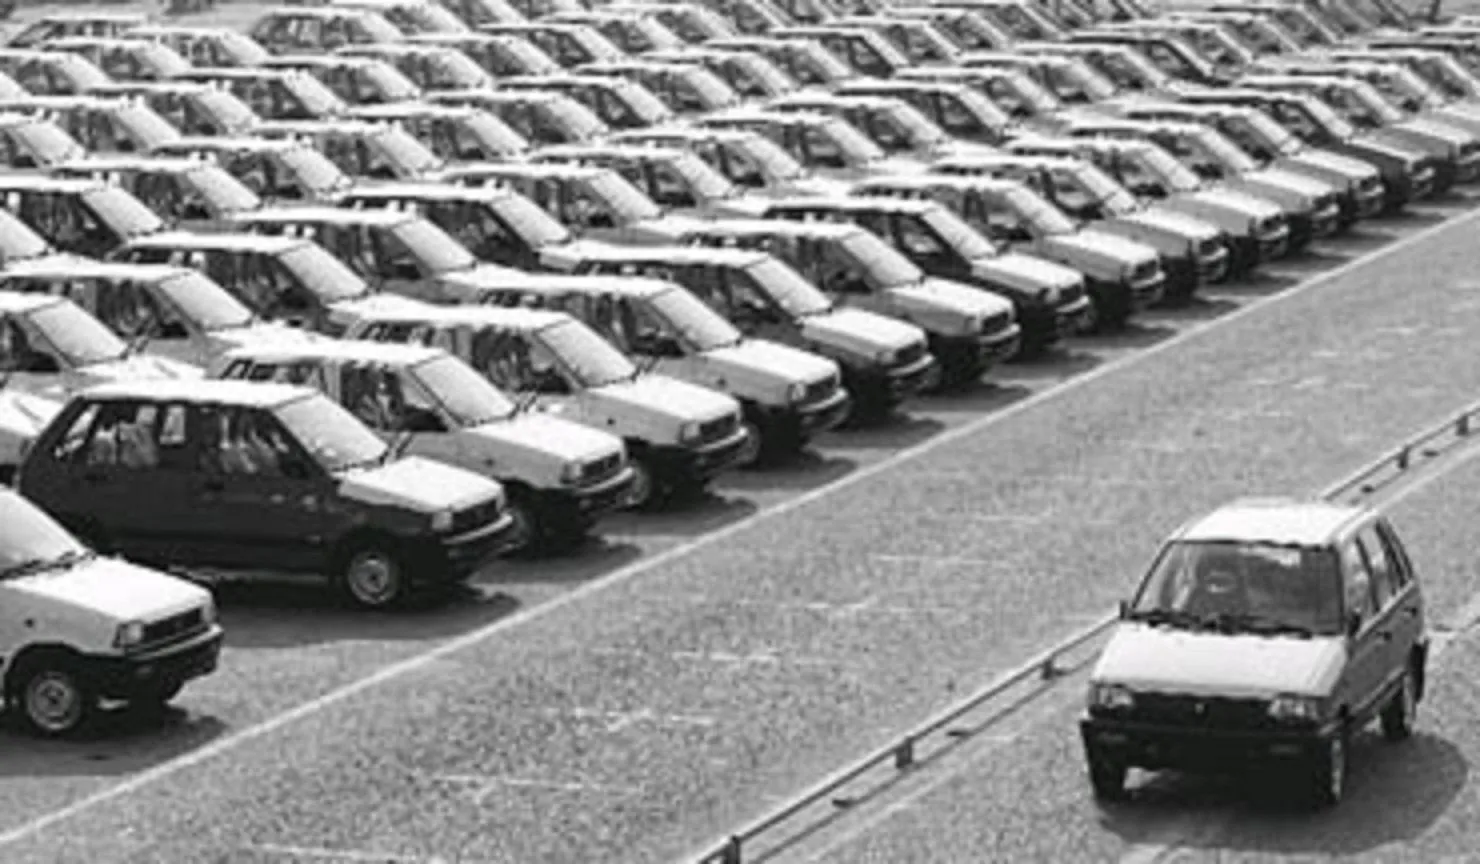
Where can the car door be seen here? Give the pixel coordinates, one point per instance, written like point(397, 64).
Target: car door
point(256, 496)
point(395, 405)
point(1399, 615)
point(1366, 648)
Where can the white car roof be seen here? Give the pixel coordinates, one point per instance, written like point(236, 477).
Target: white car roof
point(256, 394)
point(59, 267)
point(1285, 521)
point(359, 350)
point(19, 301)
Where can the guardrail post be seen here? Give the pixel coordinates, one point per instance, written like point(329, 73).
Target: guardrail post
point(1049, 670)
point(1404, 457)
point(1462, 427)
point(731, 852)
point(904, 754)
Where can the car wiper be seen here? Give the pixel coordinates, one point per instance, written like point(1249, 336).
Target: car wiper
point(34, 565)
point(1173, 617)
point(1262, 625)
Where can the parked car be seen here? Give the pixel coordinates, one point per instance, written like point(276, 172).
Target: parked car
point(80, 627)
point(750, 160)
point(306, 29)
point(678, 181)
point(273, 170)
point(191, 107)
point(274, 94)
point(193, 194)
point(173, 312)
point(204, 46)
point(559, 476)
point(679, 436)
point(428, 66)
point(787, 395)
point(620, 102)
point(61, 25)
point(354, 79)
point(83, 217)
point(1266, 634)
point(102, 125)
point(362, 150)
point(261, 477)
point(123, 58)
point(454, 134)
point(541, 117)
point(52, 73)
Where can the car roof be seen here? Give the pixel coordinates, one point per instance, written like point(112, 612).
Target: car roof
point(925, 182)
point(67, 267)
point(633, 286)
point(515, 318)
point(777, 227)
point(673, 254)
point(395, 110)
point(1285, 521)
point(227, 144)
point(611, 149)
point(323, 11)
point(362, 350)
point(864, 203)
point(132, 161)
point(223, 240)
point(61, 43)
point(528, 169)
point(425, 191)
point(25, 301)
point(252, 394)
point(340, 125)
point(46, 183)
point(376, 217)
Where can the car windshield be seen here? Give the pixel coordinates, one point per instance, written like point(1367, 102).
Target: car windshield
point(223, 191)
point(777, 164)
point(595, 44)
point(711, 89)
point(704, 180)
point(964, 239)
point(644, 103)
point(986, 110)
point(1225, 151)
point(854, 145)
point(30, 539)
point(228, 109)
point(1038, 98)
point(624, 200)
point(1403, 82)
point(331, 435)
point(162, 59)
point(378, 28)
point(402, 148)
point(823, 63)
point(591, 360)
point(1450, 73)
point(658, 37)
point(18, 242)
point(320, 272)
point(49, 142)
point(318, 100)
point(1243, 587)
point(530, 221)
point(579, 122)
point(431, 18)
point(85, 74)
point(1035, 209)
point(1163, 165)
point(1270, 132)
point(313, 169)
point(494, 134)
point(528, 57)
point(209, 305)
point(699, 325)
point(146, 126)
point(123, 213)
point(469, 398)
point(880, 262)
point(78, 337)
point(245, 50)
point(434, 248)
point(390, 83)
point(1103, 187)
point(1374, 102)
point(787, 288)
point(454, 70)
point(1326, 117)
point(918, 129)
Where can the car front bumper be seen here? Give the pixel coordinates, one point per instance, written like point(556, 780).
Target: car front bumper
point(1160, 746)
point(127, 676)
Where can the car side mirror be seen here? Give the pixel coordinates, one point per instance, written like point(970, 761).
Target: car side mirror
point(657, 345)
point(422, 420)
point(405, 271)
point(40, 364)
point(1149, 189)
point(600, 220)
point(1353, 623)
point(550, 381)
point(1122, 609)
point(173, 330)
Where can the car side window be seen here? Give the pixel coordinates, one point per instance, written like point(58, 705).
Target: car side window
point(1402, 567)
point(124, 437)
point(73, 442)
point(504, 359)
point(1384, 584)
point(1356, 581)
point(241, 441)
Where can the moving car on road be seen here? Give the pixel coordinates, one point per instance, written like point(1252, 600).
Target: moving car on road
point(1267, 633)
point(255, 476)
point(79, 627)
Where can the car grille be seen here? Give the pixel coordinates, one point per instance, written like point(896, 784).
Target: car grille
point(1325, 202)
point(820, 391)
point(597, 470)
point(1144, 272)
point(1071, 293)
point(1469, 148)
point(718, 430)
point(1271, 226)
point(1208, 248)
point(476, 517)
point(996, 323)
point(1209, 712)
point(174, 628)
point(1372, 183)
point(910, 354)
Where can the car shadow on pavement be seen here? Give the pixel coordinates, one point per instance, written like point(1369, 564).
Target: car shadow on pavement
point(802, 472)
point(120, 741)
point(898, 432)
point(981, 400)
point(595, 556)
point(682, 518)
point(1142, 333)
point(1394, 792)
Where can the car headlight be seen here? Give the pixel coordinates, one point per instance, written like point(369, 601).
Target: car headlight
point(570, 473)
point(442, 520)
point(1110, 697)
point(1290, 707)
point(796, 392)
point(688, 432)
point(1047, 295)
point(130, 635)
point(208, 612)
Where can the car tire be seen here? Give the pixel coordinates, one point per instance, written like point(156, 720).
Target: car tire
point(54, 698)
point(754, 453)
point(527, 529)
point(1107, 777)
point(644, 491)
point(1402, 710)
point(373, 576)
point(1328, 773)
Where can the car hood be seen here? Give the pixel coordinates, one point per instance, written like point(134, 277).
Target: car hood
point(816, 186)
point(1174, 223)
point(550, 436)
point(1301, 183)
point(1144, 657)
point(1107, 245)
point(1335, 162)
point(140, 367)
point(1445, 132)
point(1245, 202)
point(860, 331)
point(262, 334)
point(484, 275)
point(1026, 272)
point(662, 394)
point(773, 360)
point(115, 589)
point(418, 484)
point(347, 312)
point(953, 296)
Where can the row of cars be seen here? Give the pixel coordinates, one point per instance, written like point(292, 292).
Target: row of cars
point(393, 287)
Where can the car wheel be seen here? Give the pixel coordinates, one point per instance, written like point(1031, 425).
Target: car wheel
point(644, 486)
point(55, 700)
point(1328, 774)
point(526, 529)
point(1399, 715)
point(1106, 777)
point(373, 578)
point(751, 454)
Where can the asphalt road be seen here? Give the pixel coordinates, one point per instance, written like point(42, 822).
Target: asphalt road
point(1019, 792)
point(657, 690)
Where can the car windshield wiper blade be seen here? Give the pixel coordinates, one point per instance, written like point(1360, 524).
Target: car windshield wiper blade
point(1174, 617)
point(1260, 624)
point(38, 565)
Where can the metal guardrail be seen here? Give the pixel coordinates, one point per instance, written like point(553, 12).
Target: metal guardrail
point(1417, 451)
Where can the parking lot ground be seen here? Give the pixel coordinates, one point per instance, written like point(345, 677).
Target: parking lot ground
point(657, 689)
